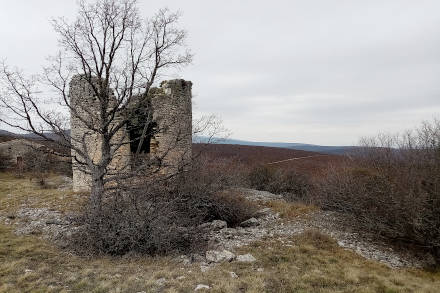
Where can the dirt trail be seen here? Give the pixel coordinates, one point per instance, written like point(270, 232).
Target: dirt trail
point(293, 159)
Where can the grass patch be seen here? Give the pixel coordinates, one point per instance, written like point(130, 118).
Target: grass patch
point(289, 210)
point(16, 192)
point(313, 262)
point(28, 264)
point(306, 263)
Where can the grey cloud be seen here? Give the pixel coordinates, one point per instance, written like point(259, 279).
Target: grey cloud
point(313, 71)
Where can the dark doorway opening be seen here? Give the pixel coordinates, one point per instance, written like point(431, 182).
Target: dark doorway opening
point(135, 134)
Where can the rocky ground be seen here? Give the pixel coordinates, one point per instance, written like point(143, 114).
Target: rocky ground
point(223, 240)
point(267, 224)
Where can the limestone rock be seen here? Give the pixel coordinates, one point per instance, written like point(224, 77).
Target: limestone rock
point(217, 256)
point(202, 287)
point(218, 225)
point(263, 212)
point(160, 282)
point(246, 258)
point(204, 267)
point(233, 275)
point(252, 222)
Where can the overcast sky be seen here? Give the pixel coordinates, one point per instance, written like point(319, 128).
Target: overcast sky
point(312, 71)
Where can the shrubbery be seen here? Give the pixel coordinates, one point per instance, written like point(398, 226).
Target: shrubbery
point(39, 164)
point(292, 185)
point(160, 217)
point(392, 187)
point(145, 221)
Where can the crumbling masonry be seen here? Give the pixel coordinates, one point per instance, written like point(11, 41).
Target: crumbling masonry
point(169, 137)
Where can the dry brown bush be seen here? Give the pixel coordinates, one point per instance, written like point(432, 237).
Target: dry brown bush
point(392, 187)
point(294, 186)
point(230, 207)
point(158, 217)
point(39, 163)
point(139, 221)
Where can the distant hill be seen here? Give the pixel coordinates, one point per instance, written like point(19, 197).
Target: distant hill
point(336, 150)
point(4, 133)
point(7, 133)
point(6, 136)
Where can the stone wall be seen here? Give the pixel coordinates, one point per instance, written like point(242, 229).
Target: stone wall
point(172, 112)
point(87, 108)
point(172, 142)
point(18, 148)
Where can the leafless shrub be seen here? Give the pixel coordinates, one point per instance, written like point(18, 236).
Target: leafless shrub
point(149, 221)
point(158, 216)
point(223, 172)
point(292, 185)
point(38, 164)
point(229, 207)
point(392, 187)
point(262, 177)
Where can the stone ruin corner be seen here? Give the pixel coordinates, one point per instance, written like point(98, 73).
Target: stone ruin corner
point(170, 107)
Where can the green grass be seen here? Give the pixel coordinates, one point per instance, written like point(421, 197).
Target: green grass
point(311, 262)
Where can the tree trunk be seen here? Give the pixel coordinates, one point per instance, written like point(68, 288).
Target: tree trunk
point(97, 191)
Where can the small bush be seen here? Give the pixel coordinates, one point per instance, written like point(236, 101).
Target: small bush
point(262, 178)
point(125, 224)
point(227, 206)
point(292, 185)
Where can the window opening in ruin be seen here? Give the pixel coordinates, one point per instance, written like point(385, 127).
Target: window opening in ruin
point(139, 116)
point(135, 134)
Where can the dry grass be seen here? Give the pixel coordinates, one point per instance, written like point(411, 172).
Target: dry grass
point(311, 262)
point(16, 192)
point(288, 210)
point(308, 263)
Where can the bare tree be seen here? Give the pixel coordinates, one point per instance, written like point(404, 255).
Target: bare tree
point(119, 55)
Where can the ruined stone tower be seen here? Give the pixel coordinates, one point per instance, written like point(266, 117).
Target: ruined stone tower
point(170, 142)
point(172, 112)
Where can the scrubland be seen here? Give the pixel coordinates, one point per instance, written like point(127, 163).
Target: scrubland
point(311, 262)
point(388, 188)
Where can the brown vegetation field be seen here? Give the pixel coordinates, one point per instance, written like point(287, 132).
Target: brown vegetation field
point(311, 163)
